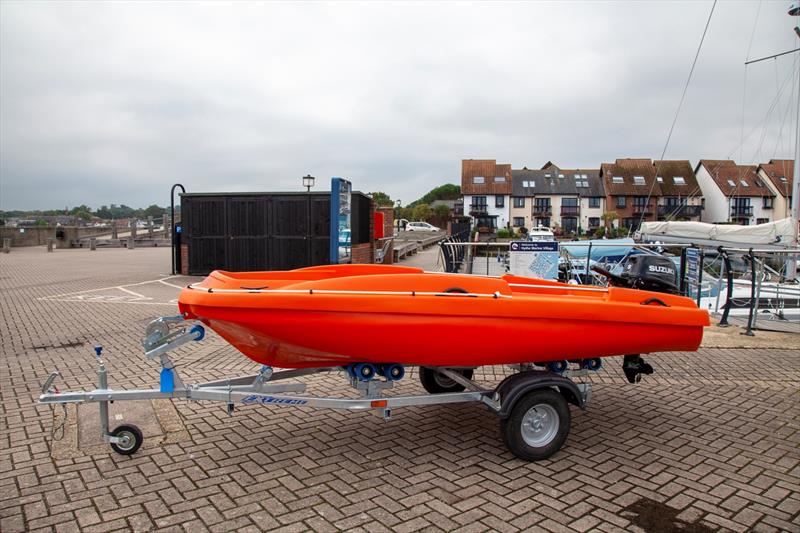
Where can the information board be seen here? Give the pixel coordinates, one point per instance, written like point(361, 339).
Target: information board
point(340, 221)
point(693, 269)
point(534, 259)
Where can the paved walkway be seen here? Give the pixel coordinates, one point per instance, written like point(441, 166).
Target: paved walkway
point(710, 441)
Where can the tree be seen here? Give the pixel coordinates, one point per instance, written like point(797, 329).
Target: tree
point(154, 211)
point(382, 199)
point(448, 191)
point(608, 218)
point(422, 212)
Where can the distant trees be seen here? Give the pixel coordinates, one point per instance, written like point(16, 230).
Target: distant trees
point(448, 191)
point(382, 199)
point(85, 212)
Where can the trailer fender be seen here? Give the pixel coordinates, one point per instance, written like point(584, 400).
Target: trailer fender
point(517, 385)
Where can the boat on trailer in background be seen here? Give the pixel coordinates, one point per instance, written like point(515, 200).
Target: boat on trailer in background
point(372, 322)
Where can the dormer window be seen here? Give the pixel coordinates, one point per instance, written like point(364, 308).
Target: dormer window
point(638, 180)
point(679, 180)
point(659, 179)
point(732, 183)
point(499, 179)
point(617, 179)
point(478, 180)
point(744, 183)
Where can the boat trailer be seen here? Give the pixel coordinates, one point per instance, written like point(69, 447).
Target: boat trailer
point(532, 404)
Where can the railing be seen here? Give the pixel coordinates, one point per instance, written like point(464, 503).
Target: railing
point(478, 209)
point(742, 211)
point(542, 211)
point(638, 209)
point(680, 210)
point(570, 210)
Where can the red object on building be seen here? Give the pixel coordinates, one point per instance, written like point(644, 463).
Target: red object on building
point(378, 224)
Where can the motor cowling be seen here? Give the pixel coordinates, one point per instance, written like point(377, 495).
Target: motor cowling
point(650, 273)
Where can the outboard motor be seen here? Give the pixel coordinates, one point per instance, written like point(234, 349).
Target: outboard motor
point(645, 272)
point(650, 273)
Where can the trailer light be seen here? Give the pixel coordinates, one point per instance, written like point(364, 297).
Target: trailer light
point(379, 403)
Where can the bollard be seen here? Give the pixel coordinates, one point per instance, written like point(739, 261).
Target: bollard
point(114, 229)
point(93, 244)
point(131, 244)
point(134, 223)
point(150, 227)
point(6, 246)
point(50, 244)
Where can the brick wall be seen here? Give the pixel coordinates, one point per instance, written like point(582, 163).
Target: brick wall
point(362, 253)
point(185, 259)
point(388, 232)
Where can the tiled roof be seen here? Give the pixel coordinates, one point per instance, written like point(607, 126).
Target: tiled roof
point(628, 169)
point(555, 181)
point(669, 170)
point(733, 179)
point(781, 174)
point(489, 170)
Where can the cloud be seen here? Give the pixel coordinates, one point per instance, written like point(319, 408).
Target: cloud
point(114, 102)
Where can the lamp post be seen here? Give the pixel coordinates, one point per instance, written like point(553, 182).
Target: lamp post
point(308, 182)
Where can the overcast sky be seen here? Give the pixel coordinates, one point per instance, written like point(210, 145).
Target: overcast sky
point(106, 103)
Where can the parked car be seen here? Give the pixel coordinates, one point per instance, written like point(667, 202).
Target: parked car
point(421, 226)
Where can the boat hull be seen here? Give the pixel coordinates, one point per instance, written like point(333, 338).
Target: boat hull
point(333, 320)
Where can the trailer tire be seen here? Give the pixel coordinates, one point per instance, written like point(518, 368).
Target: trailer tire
point(537, 426)
point(436, 383)
point(133, 436)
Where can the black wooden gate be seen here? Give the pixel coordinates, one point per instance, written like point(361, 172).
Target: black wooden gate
point(248, 232)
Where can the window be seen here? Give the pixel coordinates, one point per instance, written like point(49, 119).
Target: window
point(744, 183)
point(620, 201)
point(478, 180)
point(561, 175)
point(526, 184)
point(577, 176)
point(659, 179)
point(548, 175)
point(638, 180)
point(783, 179)
point(542, 203)
point(617, 179)
point(584, 176)
point(594, 202)
point(499, 201)
point(519, 201)
point(679, 180)
point(594, 222)
point(767, 202)
point(479, 201)
point(731, 183)
point(569, 224)
point(762, 220)
point(569, 202)
point(519, 222)
point(499, 179)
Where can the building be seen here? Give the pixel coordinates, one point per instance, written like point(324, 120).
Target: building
point(681, 197)
point(486, 188)
point(777, 175)
point(570, 199)
point(733, 193)
point(632, 191)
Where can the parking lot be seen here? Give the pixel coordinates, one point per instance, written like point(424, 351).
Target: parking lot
point(710, 442)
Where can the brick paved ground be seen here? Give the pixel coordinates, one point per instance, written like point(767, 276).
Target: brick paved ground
point(710, 440)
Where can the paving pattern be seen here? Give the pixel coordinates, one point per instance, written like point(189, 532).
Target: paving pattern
point(710, 442)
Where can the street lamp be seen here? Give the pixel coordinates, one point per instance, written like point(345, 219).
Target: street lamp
point(399, 203)
point(308, 182)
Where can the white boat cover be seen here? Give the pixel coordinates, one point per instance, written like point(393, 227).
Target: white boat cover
point(779, 233)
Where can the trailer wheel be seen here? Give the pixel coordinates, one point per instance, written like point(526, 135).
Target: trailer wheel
point(436, 383)
point(537, 426)
point(131, 439)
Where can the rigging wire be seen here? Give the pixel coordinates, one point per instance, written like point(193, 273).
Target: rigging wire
point(677, 112)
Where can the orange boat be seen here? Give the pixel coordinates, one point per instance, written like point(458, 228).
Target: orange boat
point(340, 315)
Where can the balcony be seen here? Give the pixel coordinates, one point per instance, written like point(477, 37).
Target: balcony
point(477, 210)
point(542, 211)
point(639, 209)
point(742, 211)
point(570, 210)
point(680, 211)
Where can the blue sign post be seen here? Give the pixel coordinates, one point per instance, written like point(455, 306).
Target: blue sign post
point(340, 248)
point(693, 269)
